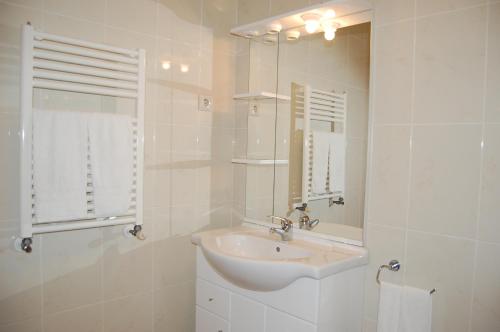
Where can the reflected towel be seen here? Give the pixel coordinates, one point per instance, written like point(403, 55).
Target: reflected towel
point(59, 165)
point(336, 165)
point(404, 309)
point(328, 162)
point(111, 159)
point(320, 156)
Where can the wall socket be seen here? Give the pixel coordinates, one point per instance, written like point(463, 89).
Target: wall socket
point(205, 103)
point(253, 109)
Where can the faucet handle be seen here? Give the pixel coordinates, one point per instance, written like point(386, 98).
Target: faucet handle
point(286, 224)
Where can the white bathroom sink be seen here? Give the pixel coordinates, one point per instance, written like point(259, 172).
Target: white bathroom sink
point(252, 258)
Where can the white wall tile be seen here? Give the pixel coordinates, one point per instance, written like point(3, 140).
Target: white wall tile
point(428, 7)
point(389, 175)
point(94, 10)
point(126, 14)
point(387, 11)
point(393, 73)
point(489, 226)
point(445, 179)
point(486, 309)
point(493, 69)
point(448, 76)
point(443, 263)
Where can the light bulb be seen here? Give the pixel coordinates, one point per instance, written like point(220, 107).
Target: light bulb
point(165, 65)
point(329, 29)
point(312, 26)
point(330, 13)
point(329, 34)
point(311, 22)
point(184, 68)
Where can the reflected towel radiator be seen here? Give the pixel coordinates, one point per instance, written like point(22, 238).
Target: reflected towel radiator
point(65, 64)
point(318, 109)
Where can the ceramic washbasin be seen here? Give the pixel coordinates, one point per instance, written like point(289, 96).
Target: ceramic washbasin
point(251, 258)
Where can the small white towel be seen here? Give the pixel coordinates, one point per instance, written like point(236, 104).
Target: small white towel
point(111, 159)
point(59, 165)
point(404, 309)
point(328, 162)
point(337, 163)
point(320, 157)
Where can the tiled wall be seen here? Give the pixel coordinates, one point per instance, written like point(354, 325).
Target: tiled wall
point(434, 189)
point(434, 174)
point(97, 280)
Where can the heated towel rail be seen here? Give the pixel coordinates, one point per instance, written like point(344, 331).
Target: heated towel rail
point(59, 63)
point(316, 108)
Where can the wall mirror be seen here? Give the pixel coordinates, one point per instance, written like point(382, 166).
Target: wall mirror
point(304, 120)
point(323, 131)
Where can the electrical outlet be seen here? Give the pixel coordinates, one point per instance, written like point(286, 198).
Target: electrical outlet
point(253, 109)
point(205, 103)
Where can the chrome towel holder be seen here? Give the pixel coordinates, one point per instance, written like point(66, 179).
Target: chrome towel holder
point(394, 266)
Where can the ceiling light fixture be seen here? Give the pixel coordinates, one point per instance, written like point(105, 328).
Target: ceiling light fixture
point(311, 22)
point(165, 65)
point(329, 29)
point(292, 35)
point(184, 68)
point(251, 34)
point(273, 28)
point(270, 39)
point(330, 13)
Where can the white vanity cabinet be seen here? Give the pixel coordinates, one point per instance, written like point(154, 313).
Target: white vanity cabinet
point(332, 304)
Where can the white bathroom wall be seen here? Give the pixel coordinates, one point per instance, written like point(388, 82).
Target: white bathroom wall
point(434, 171)
point(434, 176)
point(97, 280)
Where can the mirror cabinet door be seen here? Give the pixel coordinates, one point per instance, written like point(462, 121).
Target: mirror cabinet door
point(322, 131)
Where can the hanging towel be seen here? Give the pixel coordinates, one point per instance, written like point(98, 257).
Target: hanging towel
point(336, 165)
point(320, 156)
point(111, 160)
point(59, 165)
point(404, 309)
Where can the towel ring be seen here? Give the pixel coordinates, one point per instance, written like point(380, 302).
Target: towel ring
point(394, 266)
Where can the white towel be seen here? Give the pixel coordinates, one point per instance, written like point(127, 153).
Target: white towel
point(59, 165)
point(328, 162)
point(111, 159)
point(404, 309)
point(336, 164)
point(320, 156)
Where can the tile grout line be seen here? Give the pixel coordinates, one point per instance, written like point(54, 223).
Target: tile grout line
point(410, 148)
point(152, 218)
point(481, 164)
point(441, 12)
point(101, 306)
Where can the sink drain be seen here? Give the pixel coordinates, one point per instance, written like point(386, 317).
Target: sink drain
point(278, 249)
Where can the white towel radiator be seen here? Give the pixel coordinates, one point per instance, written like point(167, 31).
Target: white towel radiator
point(323, 109)
point(60, 63)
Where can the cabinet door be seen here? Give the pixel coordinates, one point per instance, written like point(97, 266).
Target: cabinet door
point(213, 298)
point(277, 321)
point(246, 315)
point(207, 322)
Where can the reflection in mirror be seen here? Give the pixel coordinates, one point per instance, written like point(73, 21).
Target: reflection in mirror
point(255, 100)
point(323, 131)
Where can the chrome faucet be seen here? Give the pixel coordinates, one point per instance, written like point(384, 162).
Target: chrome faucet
point(304, 221)
point(286, 230)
